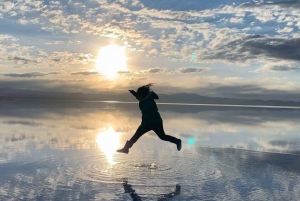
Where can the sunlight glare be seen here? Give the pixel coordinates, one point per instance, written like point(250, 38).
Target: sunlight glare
point(111, 60)
point(109, 141)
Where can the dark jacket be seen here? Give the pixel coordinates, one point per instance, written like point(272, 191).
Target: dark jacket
point(148, 107)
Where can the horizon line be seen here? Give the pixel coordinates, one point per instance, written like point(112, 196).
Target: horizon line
point(179, 104)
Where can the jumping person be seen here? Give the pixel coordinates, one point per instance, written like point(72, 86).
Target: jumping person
point(151, 119)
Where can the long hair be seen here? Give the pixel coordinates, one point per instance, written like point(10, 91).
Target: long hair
point(143, 90)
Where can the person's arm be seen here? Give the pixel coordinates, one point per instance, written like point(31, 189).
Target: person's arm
point(134, 94)
point(155, 96)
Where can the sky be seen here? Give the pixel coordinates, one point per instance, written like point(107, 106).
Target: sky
point(222, 48)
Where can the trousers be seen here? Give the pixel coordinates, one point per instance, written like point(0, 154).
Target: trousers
point(157, 128)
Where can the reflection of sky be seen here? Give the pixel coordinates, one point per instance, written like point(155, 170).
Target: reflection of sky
point(261, 130)
point(70, 151)
point(109, 141)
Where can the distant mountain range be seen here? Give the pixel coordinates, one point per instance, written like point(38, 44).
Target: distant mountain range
point(6, 93)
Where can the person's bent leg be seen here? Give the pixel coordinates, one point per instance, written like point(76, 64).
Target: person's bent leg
point(139, 132)
point(159, 130)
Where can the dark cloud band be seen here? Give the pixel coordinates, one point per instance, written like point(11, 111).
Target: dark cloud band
point(85, 73)
point(28, 75)
point(257, 47)
point(192, 70)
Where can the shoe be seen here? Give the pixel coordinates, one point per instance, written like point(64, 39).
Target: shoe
point(125, 149)
point(178, 145)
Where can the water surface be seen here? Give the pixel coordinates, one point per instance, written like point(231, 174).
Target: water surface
point(66, 151)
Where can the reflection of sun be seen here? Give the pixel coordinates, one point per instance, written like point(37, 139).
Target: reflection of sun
point(111, 59)
point(108, 141)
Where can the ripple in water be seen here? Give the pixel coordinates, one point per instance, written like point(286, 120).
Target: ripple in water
point(151, 176)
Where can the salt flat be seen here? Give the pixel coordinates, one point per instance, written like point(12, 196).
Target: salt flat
point(66, 151)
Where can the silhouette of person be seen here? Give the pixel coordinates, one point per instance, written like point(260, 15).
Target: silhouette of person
point(151, 119)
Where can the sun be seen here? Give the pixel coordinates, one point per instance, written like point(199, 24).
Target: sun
point(111, 60)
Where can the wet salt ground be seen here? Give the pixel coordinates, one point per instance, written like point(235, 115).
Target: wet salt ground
point(53, 154)
point(209, 174)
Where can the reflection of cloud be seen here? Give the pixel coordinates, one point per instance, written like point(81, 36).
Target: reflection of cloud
point(84, 128)
point(277, 144)
point(230, 127)
point(20, 138)
point(187, 136)
point(283, 143)
point(236, 146)
point(245, 171)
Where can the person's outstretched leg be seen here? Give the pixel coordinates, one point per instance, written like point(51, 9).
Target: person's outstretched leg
point(159, 130)
point(139, 132)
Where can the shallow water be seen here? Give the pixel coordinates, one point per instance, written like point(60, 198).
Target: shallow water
point(66, 151)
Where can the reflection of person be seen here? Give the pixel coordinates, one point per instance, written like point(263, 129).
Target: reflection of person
point(151, 119)
point(164, 197)
point(133, 194)
point(175, 192)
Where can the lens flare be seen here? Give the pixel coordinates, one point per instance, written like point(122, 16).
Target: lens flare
point(194, 56)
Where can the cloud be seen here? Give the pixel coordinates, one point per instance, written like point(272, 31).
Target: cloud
point(56, 59)
point(256, 47)
point(156, 70)
point(192, 70)
point(284, 68)
point(70, 40)
point(57, 85)
point(153, 51)
point(283, 4)
point(5, 37)
point(7, 6)
point(123, 72)
point(24, 60)
point(24, 123)
point(279, 66)
point(152, 29)
point(236, 20)
point(28, 75)
point(85, 73)
point(286, 30)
